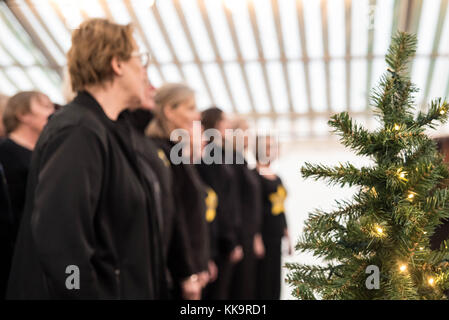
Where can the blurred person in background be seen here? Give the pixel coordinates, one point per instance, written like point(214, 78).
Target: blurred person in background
point(274, 223)
point(176, 109)
point(6, 217)
point(24, 118)
point(243, 283)
point(223, 180)
point(74, 241)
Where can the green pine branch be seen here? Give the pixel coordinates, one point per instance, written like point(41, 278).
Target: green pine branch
point(403, 198)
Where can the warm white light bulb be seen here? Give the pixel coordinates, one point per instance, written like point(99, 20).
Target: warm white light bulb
point(403, 268)
point(431, 281)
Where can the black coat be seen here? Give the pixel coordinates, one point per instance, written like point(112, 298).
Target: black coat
point(190, 197)
point(87, 205)
point(273, 219)
point(223, 179)
point(250, 195)
point(6, 234)
point(16, 164)
point(174, 233)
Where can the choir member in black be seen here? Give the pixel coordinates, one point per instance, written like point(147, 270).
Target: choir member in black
point(176, 109)
point(223, 180)
point(24, 118)
point(6, 217)
point(274, 224)
point(244, 278)
point(89, 230)
point(6, 238)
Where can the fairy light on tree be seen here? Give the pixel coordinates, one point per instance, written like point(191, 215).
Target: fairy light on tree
point(394, 223)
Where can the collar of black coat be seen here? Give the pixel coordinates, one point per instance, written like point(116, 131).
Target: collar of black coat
point(85, 99)
point(139, 118)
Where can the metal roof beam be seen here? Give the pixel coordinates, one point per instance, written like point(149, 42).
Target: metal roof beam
point(436, 43)
point(326, 52)
point(372, 4)
point(302, 34)
point(167, 40)
point(11, 81)
point(43, 24)
point(231, 26)
point(198, 63)
point(218, 58)
point(280, 38)
point(253, 19)
point(348, 11)
point(139, 28)
point(17, 12)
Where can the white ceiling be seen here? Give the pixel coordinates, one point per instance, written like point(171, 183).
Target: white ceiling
point(284, 63)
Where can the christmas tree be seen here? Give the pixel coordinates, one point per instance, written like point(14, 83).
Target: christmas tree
point(377, 245)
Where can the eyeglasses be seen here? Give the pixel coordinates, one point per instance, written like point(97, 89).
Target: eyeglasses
point(144, 58)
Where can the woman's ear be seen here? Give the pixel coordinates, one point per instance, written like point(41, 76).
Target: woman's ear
point(24, 117)
point(116, 66)
point(168, 112)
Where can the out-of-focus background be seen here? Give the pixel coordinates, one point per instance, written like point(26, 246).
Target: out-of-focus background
point(285, 65)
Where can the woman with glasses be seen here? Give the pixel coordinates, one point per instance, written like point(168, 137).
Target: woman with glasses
point(90, 229)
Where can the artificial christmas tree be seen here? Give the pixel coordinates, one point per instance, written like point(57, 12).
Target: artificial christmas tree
point(376, 246)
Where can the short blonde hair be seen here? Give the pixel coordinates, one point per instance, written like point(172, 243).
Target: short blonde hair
point(94, 44)
point(18, 104)
point(169, 95)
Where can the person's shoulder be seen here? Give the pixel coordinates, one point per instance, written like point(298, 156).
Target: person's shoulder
point(73, 118)
point(73, 114)
point(7, 145)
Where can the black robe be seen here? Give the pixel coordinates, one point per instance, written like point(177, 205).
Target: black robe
point(223, 179)
point(87, 206)
point(189, 194)
point(6, 233)
point(179, 263)
point(243, 284)
point(16, 164)
point(273, 225)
